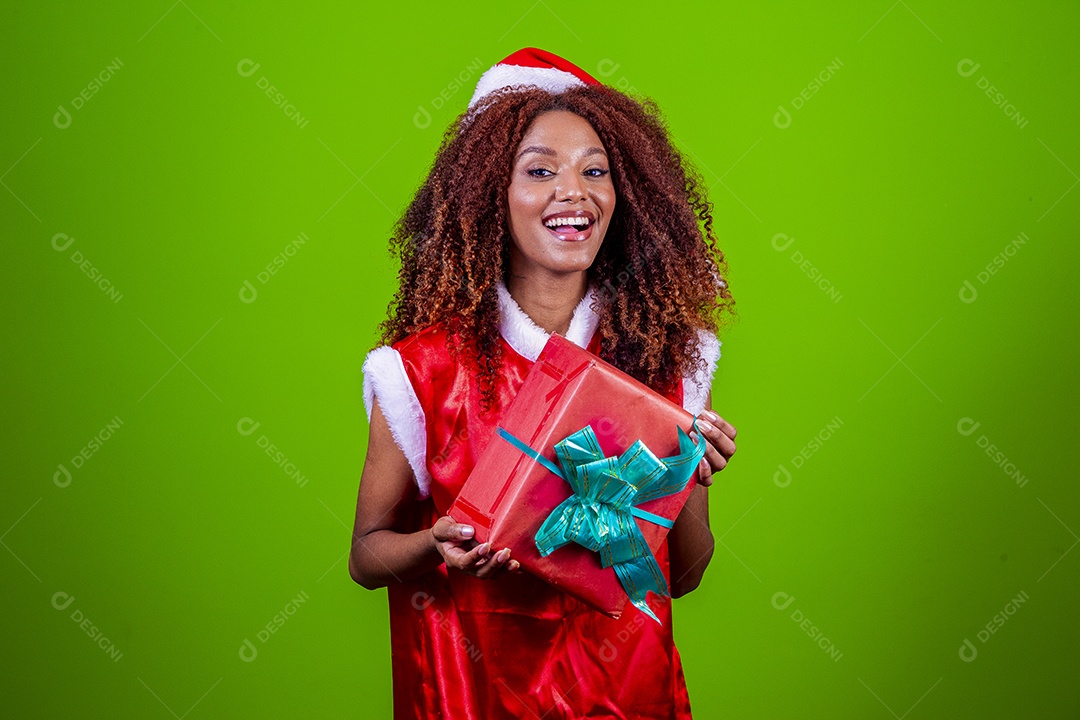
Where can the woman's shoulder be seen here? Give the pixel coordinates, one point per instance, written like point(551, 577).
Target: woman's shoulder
point(415, 360)
point(402, 377)
point(430, 338)
point(425, 354)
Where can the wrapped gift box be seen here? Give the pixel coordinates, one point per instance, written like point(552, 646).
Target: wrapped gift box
point(514, 489)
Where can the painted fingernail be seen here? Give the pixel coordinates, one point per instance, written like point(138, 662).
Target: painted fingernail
point(705, 425)
point(467, 531)
point(485, 548)
point(713, 415)
point(503, 555)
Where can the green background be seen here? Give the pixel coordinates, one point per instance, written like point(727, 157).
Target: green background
point(898, 181)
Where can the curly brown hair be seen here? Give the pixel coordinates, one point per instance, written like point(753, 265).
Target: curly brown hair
point(657, 273)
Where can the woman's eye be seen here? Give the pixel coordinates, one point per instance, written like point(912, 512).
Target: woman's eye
point(544, 172)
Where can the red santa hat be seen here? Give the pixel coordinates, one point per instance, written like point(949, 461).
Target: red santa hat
point(532, 67)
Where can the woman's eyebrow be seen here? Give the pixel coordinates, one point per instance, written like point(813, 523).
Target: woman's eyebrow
point(542, 149)
point(545, 150)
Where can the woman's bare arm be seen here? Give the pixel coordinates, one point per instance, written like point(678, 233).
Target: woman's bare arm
point(690, 541)
point(380, 554)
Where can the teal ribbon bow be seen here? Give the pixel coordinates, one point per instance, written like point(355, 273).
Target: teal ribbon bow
point(600, 514)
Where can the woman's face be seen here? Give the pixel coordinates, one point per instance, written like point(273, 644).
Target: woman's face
point(560, 197)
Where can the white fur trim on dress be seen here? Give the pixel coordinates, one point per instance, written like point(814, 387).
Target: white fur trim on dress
point(500, 76)
point(385, 377)
point(697, 386)
point(528, 339)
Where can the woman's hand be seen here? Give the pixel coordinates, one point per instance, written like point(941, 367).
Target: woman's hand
point(720, 435)
point(455, 543)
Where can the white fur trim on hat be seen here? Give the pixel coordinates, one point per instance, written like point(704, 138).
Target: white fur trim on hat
point(385, 378)
point(697, 386)
point(499, 76)
point(528, 339)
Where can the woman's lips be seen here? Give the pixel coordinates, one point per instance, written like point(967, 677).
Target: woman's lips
point(571, 237)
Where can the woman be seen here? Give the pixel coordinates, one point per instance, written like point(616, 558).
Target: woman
point(555, 204)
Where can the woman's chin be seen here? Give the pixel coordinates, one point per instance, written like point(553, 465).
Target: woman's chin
point(576, 258)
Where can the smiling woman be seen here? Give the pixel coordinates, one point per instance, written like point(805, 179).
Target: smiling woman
point(555, 204)
point(562, 160)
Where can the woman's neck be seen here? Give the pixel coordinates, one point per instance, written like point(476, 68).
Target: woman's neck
point(550, 301)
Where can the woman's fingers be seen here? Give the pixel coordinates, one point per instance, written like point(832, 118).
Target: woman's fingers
point(705, 472)
point(478, 560)
point(483, 555)
point(720, 433)
point(715, 459)
point(460, 557)
point(719, 436)
point(724, 426)
point(493, 563)
point(446, 529)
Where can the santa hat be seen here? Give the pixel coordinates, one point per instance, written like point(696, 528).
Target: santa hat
point(532, 67)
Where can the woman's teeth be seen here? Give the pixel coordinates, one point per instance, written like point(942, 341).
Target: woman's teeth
point(581, 222)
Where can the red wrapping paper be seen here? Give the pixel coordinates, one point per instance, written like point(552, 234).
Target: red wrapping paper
point(508, 495)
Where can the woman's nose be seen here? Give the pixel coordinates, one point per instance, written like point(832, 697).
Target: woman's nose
point(570, 189)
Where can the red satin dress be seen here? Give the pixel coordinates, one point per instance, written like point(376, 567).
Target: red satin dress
point(512, 646)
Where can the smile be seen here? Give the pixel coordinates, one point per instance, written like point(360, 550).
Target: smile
point(570, 226)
